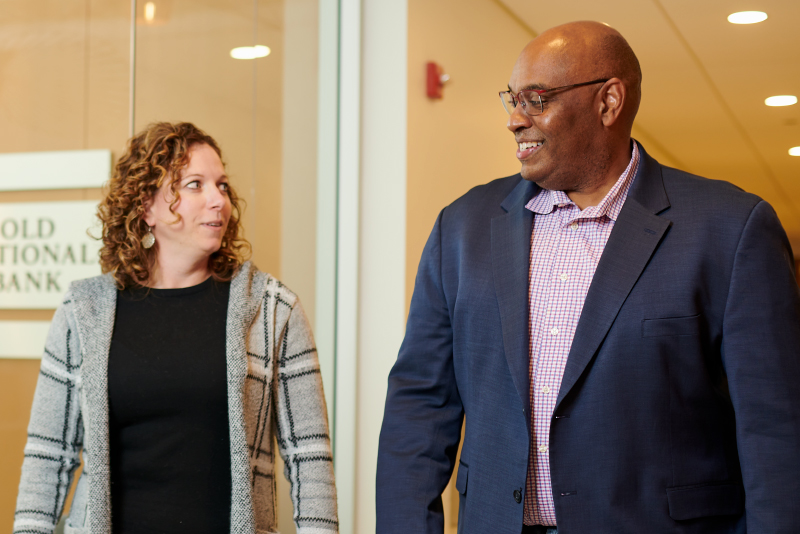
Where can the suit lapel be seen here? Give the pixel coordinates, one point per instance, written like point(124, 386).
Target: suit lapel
point(635, 237)
point(511, 245)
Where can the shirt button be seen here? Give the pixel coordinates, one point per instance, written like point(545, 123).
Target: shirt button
point(554, 331)
point(573, 226)
point(518, 496)
point(564, 276)
point(546, 389)
point(542, 448)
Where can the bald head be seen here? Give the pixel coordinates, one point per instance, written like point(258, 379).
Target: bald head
point(588, 50)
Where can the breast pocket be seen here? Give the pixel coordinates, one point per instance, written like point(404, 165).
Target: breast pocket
point(672, 326)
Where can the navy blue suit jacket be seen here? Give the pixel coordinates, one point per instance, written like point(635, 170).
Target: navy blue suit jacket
point(679, 408)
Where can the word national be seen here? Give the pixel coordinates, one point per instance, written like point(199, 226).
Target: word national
point(33, 254)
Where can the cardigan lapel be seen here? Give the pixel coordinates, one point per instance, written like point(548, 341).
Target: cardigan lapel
point(511, 245)
point(243, 306)
point(244, 302)
point(635, 237)
point(95, 301)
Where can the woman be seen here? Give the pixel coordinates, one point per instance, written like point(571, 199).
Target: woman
point(171, 370)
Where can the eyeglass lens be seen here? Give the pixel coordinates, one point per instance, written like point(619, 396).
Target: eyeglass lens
point(531, 103)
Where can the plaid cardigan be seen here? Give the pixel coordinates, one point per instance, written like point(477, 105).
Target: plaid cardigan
point(273, 383)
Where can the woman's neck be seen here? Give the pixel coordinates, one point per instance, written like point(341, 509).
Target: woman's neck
point(176, 273)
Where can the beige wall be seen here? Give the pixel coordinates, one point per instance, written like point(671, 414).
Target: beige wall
point(461, 140)
point(63, 75)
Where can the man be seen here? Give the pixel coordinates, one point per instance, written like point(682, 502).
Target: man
point(622, 337)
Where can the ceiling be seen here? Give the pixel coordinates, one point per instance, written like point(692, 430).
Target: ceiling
point(704, 85)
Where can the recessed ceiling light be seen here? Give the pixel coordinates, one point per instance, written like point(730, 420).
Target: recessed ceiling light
point(747, 17)
point(781, 100)
point(795, 151)
point(149, 11)
point(250, 52)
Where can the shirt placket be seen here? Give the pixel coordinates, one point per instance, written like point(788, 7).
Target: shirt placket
point(540, 298)
point(553, 330)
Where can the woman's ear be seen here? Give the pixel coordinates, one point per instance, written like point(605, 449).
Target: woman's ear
point(149, 217)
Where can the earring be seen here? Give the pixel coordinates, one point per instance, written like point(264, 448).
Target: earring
point(148, 240)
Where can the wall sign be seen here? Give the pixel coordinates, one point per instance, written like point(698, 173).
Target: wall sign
point(26, 171)
point(43, 247)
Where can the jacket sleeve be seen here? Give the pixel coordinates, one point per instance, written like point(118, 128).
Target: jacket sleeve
point(55, 431)
point(761, 354)
point(302, 425)
point(423, 414)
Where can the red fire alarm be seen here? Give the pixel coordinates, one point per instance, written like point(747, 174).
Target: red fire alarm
point(436, 80)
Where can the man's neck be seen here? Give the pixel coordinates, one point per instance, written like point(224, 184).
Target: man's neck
point(593, 194)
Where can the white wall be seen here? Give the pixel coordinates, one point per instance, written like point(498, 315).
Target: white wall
point(371, 240)
point(382, 313)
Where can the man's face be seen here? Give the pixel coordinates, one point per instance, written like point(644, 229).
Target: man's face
point(556, 147)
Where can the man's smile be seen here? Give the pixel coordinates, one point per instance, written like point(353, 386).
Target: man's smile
point(526, 148)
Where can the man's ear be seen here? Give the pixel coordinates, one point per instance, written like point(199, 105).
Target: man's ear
point(612, 100)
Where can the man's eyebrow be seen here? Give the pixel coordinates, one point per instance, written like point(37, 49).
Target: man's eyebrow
point(529, 87)
point(533, 86)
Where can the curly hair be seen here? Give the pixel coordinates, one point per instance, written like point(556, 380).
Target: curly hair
point(157, 154)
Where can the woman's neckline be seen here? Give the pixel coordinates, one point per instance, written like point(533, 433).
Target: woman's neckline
point(177, 291)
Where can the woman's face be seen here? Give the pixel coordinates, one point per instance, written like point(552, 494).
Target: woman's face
point(204, 208)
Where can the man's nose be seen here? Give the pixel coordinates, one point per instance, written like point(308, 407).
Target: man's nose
point(518, 119)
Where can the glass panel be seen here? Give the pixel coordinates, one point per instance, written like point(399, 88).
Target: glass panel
point(65, 85)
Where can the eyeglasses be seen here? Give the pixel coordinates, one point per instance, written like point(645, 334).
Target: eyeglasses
point(531, 99)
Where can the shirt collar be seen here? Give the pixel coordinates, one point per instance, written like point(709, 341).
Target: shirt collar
point(546, 200)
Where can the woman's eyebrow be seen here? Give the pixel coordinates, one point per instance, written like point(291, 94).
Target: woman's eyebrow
point(201, 175)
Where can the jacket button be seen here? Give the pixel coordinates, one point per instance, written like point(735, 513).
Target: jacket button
point(518, 496)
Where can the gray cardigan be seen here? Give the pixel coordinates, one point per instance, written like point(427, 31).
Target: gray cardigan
point(273, 382)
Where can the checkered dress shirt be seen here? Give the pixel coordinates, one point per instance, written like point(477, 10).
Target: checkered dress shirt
point(566, 245)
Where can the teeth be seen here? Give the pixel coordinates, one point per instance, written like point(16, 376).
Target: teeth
point(525, 146)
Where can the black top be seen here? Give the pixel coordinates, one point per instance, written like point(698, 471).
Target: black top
point(168, 411)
